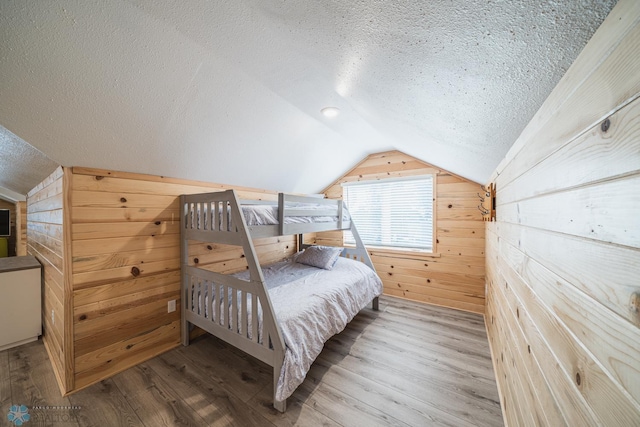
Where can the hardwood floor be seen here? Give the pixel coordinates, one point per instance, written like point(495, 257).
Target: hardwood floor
point(407, 365)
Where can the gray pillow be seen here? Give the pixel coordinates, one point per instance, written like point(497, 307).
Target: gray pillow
point(320, 256)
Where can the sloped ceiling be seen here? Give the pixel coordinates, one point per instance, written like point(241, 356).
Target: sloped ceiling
point(22, 166)
point(231, 91)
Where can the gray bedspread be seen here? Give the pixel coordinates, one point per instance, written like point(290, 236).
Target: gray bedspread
point(311, 305)
point(267, 214)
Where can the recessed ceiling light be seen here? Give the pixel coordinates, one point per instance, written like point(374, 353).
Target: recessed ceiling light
point(330, 111)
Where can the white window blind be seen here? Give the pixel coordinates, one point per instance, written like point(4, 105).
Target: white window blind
point(394, 213)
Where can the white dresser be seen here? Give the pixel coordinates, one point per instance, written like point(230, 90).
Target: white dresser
point(20, 300)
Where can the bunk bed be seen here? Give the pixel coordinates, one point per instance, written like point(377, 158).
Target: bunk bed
point(268, 312)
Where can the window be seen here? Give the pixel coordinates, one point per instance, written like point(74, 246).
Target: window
point(392, 213)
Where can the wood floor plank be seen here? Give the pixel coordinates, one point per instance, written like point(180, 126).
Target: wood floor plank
point(154, 400)
point(405, 408)
point(471, 324)
point(417, 308)
point(224, 365)
point(408, 364)
point(424, 365)
point(452, 395)
point(430, 371)
point(462, 351)
point(33, 384)
point(346, 410)
point(416, 365)
point(103, 404)
point(298, 414)
point(5, 383)
point(209, 399)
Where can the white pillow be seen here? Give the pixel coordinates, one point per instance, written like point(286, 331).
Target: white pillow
point(320, 256)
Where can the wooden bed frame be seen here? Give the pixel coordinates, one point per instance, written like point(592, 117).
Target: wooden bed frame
point(217, 218)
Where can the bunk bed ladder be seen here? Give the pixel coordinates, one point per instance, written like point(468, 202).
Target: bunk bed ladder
point(225, 220)
point(256, 276)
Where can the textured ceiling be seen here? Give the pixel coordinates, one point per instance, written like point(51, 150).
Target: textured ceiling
point(231, 91)
point(22, 167)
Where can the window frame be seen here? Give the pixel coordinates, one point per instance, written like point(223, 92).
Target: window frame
point(405, 252)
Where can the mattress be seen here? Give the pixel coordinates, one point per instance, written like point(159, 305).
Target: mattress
point(311, 305)
point(265, 214)
point(268, 214)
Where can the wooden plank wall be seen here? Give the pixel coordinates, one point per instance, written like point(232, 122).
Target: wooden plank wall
point(46, 241)
point(21, 228)
point(11, 240)
point(454, 275)
point(563, 258)
point(126, 266)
